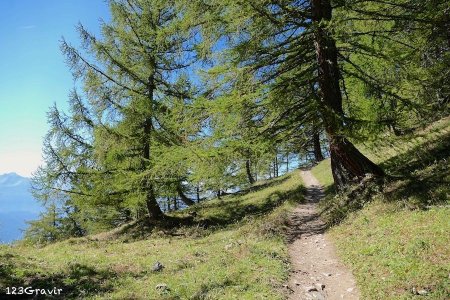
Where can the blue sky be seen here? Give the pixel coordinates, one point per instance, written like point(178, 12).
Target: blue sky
point(33, 73)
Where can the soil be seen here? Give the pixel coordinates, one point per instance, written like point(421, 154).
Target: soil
point(317, 272)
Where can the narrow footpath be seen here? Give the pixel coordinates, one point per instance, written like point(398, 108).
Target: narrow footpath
point(317, 272)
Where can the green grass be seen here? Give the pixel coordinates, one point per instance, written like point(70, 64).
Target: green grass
point(241, 254)
point(322, 172)
point(398, 238)
point(395, 238)
point(392, 251)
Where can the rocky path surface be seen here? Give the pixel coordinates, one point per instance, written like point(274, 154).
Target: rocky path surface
point(317, 271)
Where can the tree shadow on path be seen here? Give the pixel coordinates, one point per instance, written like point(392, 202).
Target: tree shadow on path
point(306, 218)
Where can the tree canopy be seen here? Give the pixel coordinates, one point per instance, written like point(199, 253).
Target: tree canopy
point(192, 99)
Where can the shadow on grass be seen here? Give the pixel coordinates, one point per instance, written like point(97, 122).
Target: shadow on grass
point(206, 289)
point(234, 211)
point(420, 175)
point(77, 282)
point(230, 209)
point(329, 190)
point(263, 185)
point(143, 228)
point(417, 178)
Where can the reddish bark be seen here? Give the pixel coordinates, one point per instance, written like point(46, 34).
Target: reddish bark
point(347, 163)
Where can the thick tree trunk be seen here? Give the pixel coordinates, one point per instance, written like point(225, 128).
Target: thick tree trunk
point(249, 171)
point(348, 164)
point(185, 199)
point(153, 209)
point(317, 148)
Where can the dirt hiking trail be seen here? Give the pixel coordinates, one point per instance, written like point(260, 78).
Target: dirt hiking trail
point(317, 272)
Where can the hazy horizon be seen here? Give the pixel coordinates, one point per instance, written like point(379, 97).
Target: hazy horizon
point(17, 206)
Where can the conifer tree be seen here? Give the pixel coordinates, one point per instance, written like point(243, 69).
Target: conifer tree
point(133, 86)
point(294, 49)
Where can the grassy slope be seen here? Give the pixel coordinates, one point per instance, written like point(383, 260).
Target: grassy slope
point(242, 255)
point(400, 240)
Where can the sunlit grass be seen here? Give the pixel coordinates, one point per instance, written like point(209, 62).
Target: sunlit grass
point(398, 243)
point(393, 252)
point(243, 255)
point(322, 172)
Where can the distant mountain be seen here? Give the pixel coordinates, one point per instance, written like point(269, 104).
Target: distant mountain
point(17, 206)
point(12, 179)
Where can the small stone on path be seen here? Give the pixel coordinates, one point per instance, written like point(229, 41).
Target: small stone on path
point(320, 286)
point(311, 289)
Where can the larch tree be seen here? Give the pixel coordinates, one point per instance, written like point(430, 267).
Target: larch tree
point(288, 47)
point(296, 49)
point(390, 53)
point(134, 81)
point(347, 162)
point(274, 77)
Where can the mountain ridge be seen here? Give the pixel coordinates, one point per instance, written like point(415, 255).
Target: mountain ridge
point(12, 179)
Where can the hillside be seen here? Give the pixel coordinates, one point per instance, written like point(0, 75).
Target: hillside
point(235, 249)
point(394, 238)
point(398, 243)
